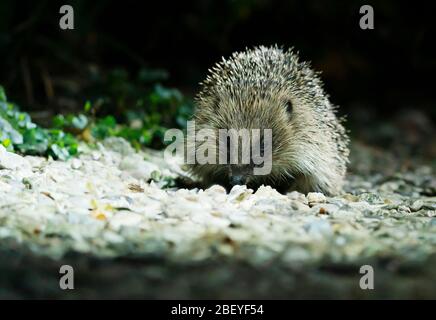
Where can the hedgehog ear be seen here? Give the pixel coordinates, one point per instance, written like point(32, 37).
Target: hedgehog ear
point(289, 107)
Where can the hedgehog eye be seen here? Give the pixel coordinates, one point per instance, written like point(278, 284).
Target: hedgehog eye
point(289, 106)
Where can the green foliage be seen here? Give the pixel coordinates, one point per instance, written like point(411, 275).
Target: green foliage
point(77, 122)
point(116, 94)
point(139, 110)
point(18, 132)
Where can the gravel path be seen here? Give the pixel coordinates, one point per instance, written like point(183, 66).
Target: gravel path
point(126, 237)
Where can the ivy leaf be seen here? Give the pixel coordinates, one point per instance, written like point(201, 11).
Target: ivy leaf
point(87, 106)
point(59, 152)
point(79, 122)
point(2, 94)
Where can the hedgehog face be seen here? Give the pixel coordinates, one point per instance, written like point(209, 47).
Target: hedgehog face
point(247, 157)
point(254, 136)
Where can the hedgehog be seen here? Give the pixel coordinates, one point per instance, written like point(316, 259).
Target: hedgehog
point(270, 88)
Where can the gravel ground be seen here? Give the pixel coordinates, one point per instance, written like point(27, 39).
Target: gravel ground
point(127, 237)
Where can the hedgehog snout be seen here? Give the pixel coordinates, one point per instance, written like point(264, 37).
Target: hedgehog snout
point(239, 175)
point(238, 180)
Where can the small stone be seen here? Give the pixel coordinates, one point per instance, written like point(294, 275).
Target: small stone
point(216, 189)
point(405, 209)
point(239, 193)
point(326, 208)
point(319, 228)
point(76, 163)
point(124, 218)
point(417, 205)
point(216, 193)
point(315, 197)
point(135, 187)
point(13, 161)
point(119, 145)
point(137, 167)
point(371, 198)
point(295, 195)
point(96, 155)
point(350, 198)
point(299, 206)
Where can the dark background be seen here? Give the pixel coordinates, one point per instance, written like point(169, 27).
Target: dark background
point(383, 75)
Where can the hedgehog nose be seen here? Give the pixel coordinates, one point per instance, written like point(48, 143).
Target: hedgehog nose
point(237, 180)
